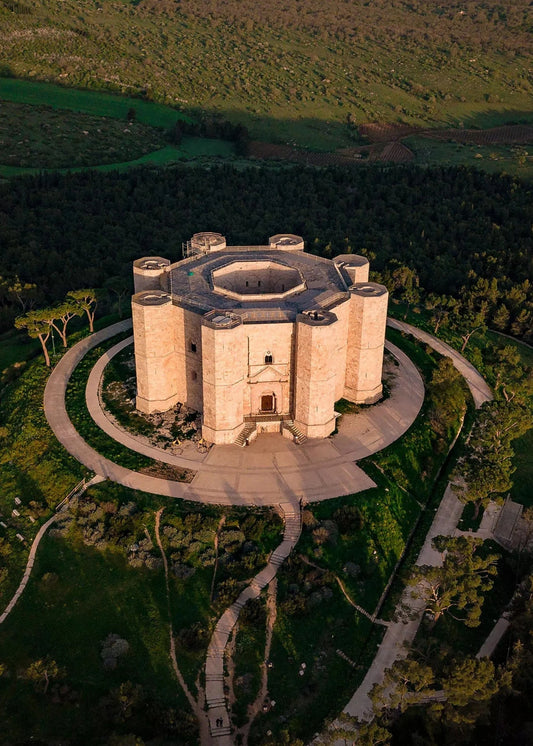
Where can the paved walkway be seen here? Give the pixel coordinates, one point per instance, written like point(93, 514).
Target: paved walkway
point(316, 470)
point(400, 635)
point(218, 714)
point(495, 635)
point(476, 383)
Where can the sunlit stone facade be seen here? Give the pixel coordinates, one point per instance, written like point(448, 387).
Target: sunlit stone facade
point(257, 338)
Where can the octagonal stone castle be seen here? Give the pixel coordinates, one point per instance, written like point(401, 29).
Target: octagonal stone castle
point(257, 338)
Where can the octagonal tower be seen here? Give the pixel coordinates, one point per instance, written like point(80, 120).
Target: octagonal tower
point(257, 338)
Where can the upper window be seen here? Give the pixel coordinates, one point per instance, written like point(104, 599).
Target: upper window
point(193, 346)
point(268, 357)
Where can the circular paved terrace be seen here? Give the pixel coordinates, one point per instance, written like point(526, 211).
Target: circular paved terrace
point(270, 471)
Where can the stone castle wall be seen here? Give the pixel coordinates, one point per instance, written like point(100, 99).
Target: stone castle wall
point(155, 356)
point(230, 368)
point(224, 372)
point(275, 378)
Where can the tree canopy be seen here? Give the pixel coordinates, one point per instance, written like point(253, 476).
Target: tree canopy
point(456, 587)
point(438, 223)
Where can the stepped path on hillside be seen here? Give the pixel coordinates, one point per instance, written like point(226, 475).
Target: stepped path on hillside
point(215, 695)
point(316, 470)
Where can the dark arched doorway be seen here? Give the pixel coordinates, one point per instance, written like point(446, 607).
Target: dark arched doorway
point(268, 403)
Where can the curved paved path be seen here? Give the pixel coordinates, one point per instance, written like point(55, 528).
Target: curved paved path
point(476, 383)
point(316, 470)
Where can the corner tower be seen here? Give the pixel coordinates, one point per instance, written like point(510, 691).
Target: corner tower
point(366, 342)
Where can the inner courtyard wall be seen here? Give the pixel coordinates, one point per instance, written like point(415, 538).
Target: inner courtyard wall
point(249, 278)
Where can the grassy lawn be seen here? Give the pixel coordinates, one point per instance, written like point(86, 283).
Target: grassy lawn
point(77, 597)
point(100, 441)
point(248, 657)
point(328, 681)
point(289, 74)
point(201, 149)
point(95, 103)
point(72, 130)
point(523, 446)
point(33, 468)
point(99, 573)
point(469, 521)
point(16, 347)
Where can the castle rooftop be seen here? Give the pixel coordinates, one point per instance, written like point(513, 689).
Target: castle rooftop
point(257, 282)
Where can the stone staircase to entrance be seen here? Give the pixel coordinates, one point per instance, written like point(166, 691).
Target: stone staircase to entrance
point(299, 437)
point(245, 433)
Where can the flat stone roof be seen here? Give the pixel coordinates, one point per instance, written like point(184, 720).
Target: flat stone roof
point(190, 283)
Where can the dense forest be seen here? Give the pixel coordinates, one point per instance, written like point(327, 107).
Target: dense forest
point(452, 226)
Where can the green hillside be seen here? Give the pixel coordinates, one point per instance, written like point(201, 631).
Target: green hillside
point(290, 71)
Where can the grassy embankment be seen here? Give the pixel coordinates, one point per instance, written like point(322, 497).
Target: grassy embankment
point(104, 444)
point(515, 160)
point(80, 594)
point(48, 127)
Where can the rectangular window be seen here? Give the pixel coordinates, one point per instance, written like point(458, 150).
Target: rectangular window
point(193, 346)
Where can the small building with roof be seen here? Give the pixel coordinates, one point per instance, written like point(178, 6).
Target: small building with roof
point(257, 338)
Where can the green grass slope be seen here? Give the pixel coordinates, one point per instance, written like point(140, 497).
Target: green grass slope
point(299, 69)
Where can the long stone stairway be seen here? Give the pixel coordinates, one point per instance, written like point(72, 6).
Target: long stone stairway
point(218, 713)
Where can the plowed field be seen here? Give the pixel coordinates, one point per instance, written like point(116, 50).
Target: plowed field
point(382, 132)
point(513, 134)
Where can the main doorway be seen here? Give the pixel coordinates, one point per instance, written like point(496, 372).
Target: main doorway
point(268, 403)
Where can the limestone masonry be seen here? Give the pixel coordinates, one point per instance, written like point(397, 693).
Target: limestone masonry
point(257, 338)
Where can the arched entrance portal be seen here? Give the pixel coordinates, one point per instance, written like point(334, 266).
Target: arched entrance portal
point(268, 403)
